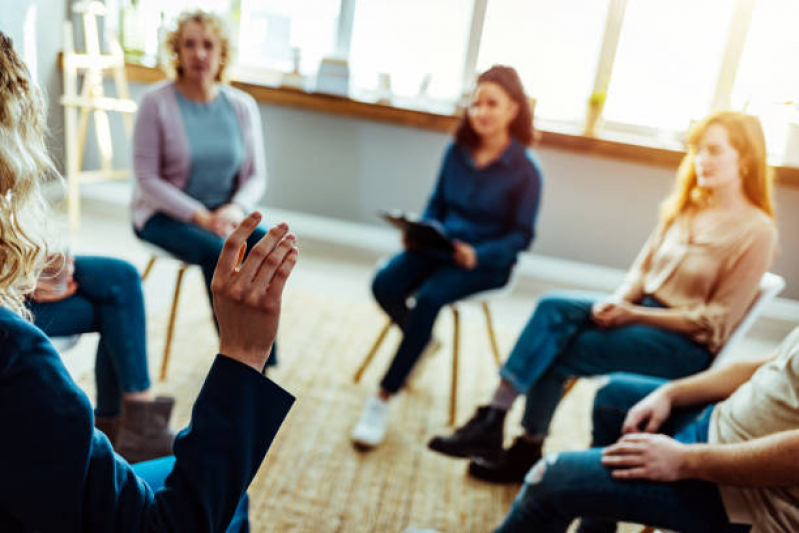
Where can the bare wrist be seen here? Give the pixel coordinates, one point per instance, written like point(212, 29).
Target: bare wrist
point(690, 461)
point(253, 358)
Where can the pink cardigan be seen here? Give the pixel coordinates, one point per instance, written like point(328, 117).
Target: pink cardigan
point(162, 161)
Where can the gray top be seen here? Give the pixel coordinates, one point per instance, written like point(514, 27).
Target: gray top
point(216, 148)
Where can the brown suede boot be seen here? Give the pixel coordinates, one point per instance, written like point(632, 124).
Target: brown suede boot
point(108, 425)
point(144, 432)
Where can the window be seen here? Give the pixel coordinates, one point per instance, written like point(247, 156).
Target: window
point(410, 40)
point(139, 22)
point(768, 76)
point(667, 62)
point(270, 31)
point(554, 46)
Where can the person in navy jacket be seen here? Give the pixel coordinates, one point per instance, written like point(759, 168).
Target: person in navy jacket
point(486, 200)
point(57, 472)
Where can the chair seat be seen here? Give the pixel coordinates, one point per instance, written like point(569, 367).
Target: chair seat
point(64, 344)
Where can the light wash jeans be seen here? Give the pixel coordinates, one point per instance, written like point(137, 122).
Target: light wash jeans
point(561, 341)
point(567, 486)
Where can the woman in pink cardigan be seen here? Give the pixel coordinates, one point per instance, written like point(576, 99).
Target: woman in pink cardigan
point(198, 153)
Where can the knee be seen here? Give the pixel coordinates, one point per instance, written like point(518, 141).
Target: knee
point(556, 306)
point(122, 273)
point(545, 482)
point(430, 300)
point(383, 288)
point(611, 403)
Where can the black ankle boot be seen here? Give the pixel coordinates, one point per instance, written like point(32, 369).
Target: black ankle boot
point(479, 437)
point(512, 464)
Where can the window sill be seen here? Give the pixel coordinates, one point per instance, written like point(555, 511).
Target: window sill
point(624, 148)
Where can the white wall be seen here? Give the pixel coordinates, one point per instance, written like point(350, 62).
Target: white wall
point(594, 210)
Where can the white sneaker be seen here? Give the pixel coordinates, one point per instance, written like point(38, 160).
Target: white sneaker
point(371, 427)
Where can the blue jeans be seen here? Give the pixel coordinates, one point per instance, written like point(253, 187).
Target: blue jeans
point(571, 485)
point(155, 472)
point(108, 301)
point(561, 341)
point(194, 245)
point(436, 281)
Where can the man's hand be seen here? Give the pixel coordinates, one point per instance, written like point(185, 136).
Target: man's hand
point(613, 313)
point(645, 456)
point(464, 255)
point(650, 412)
point(247, 296)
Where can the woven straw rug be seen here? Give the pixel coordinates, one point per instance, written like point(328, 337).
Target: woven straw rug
point(313, 480)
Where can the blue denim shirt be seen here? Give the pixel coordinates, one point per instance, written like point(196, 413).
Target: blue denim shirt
point(492, 208)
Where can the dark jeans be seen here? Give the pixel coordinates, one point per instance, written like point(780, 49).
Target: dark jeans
point(155, 472)
point(108, 301)
point(196, 246)
point(436, 281)
point(560, 341)
point(571, 485)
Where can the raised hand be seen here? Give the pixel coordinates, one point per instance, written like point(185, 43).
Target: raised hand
point(247, 296)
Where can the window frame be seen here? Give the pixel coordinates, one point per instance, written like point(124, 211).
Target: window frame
point(617, 9)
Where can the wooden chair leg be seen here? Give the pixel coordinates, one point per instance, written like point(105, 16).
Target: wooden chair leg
point(453, 394)
point(149, 267)
point(171, 326)
point(570, 383)
point(372, 351)
point(491, 335)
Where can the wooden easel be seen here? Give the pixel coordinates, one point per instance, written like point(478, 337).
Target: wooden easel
point(91, 101)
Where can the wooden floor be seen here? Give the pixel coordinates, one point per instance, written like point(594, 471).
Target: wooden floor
point(313, 480)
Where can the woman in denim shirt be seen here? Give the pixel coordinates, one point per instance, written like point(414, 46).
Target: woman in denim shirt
point(486, 200)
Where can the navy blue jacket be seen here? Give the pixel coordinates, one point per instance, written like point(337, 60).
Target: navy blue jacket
point(57, 473)
point(493, 208)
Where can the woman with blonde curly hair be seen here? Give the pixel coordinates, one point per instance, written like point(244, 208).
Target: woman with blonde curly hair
point(689, 288)
point(59, 473)
point(198, 150)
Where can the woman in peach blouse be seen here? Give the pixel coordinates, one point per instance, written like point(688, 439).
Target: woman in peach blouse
point(690, 286)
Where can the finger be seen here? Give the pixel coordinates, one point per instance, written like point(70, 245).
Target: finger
point(230, 256)
point(262, 254)
point(621, 448)
point(630, 473)
point(622, 461)
point(278, 283)
point(270, 266)
point(654, 424)
point(632, 423)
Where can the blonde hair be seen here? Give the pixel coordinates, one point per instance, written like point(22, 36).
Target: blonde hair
point(209, 21)
point(24, 164)
point(746, 136)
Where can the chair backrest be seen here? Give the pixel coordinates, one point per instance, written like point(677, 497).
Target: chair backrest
point(770, 286)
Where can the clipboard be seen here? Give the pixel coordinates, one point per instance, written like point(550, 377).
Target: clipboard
point(427, 234)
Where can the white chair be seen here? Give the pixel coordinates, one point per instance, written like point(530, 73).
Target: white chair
point(770, 286)
point(156, 253)
point(483, 298)
point(64, 344)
